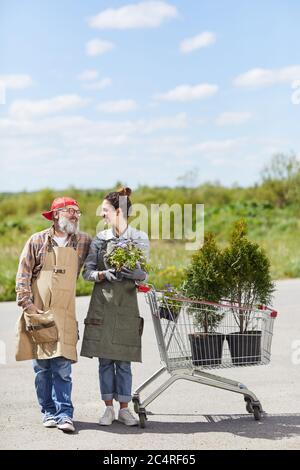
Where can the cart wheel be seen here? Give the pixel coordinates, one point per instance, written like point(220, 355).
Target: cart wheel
point(257, 413)
point(249, 406)
point(143, 418)
point(136, 405)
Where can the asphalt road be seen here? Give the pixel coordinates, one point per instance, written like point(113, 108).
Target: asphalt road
point(186, 416)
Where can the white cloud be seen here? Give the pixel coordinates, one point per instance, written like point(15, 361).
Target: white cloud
point(232, 118)
point(118, 106)
point(26, 109)
point(188, 92)
point(15, 81)
point(63, 141)
point(88, 75)
point(179, 121)
point(98, 46)
point(2, 94)
point(120, 146)
point(201, 40)
point(99, 85)
point(140, 15)
point(263, 77)
point(212, 147)
point(75, 129)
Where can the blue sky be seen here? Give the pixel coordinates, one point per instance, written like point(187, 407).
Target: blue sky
point(144, 92)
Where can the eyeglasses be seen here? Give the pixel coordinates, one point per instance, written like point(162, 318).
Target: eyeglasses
point(71, 211)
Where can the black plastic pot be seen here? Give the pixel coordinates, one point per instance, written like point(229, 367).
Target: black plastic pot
point(165, 312)
point(119, 275)
point(245, 348)
point(206, 348)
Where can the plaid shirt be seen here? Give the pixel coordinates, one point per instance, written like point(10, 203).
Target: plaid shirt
point(33, 256)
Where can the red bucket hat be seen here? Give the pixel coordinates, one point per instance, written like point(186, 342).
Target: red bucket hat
point(57, 204)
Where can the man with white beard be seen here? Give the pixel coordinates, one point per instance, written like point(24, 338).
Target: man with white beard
point(47, 328)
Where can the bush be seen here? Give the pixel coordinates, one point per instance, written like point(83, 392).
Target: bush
point(246, 273)
point(204, 280)
point(7, 286)
point(280, 180)
point(170, 274)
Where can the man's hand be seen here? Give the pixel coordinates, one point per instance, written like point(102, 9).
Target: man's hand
point(33, 309)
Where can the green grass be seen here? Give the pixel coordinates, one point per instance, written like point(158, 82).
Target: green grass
point(274, 228)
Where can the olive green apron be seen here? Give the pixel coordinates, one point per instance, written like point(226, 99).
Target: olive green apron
point(113, 327)
point(53, 333)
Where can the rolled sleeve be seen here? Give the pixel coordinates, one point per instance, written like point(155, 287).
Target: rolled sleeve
point(90, 268)
point(24, 275)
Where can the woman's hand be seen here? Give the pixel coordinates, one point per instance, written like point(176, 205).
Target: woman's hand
point(108, 274)
point(136, 274)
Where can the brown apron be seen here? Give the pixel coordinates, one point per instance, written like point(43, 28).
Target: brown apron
point(55, 332)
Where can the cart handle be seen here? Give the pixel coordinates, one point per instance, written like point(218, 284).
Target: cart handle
point(273, 313)
point(148, 287)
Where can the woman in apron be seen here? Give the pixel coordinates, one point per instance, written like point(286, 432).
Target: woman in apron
point(113, 327)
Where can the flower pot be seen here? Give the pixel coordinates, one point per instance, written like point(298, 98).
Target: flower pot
point(206, 348)
point(119, 275)
point(167, 313)
point(245, 348)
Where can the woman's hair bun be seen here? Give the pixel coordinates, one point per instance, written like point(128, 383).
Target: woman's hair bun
point(124, 191)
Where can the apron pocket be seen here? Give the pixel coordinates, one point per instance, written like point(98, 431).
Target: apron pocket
point(127, 331)
point(41, 327)
point(93, 329)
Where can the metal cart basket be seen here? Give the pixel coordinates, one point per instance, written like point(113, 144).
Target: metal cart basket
point(194, 336)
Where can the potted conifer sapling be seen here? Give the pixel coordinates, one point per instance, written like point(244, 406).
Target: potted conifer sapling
point(247, 283)
point(204, 281)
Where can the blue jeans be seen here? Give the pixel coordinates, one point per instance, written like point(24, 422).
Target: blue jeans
point(53, 387)
point(115, 380)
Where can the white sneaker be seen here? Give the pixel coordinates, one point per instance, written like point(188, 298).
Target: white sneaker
point(126, 417)
point(66, 426)
point(50, 423)
point(108, 416)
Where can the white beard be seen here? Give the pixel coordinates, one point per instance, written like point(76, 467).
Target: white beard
point(65, 225)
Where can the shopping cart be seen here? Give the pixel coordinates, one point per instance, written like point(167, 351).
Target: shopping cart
point(193, 336)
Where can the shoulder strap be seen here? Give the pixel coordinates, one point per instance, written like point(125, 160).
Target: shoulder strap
point(49, 243)
point(74, 241)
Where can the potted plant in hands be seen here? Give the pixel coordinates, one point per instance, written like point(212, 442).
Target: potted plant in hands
point(248, 283)
point(204, 281)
